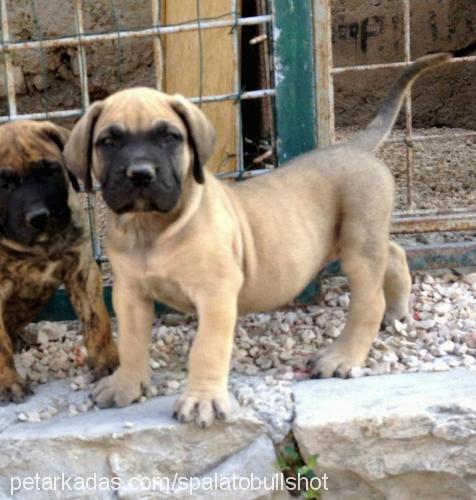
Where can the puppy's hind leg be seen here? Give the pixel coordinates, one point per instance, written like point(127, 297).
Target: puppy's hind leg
point(365, 268)
point(397, 285)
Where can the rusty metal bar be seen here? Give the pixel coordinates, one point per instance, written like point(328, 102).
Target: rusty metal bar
point(159, 61)
point(464, 220)
point(83, 72)
point(323, 75)
point(85, 100)
point(73, 113)
point(368, 67)
point(408, 107)
point(431, 137)
point(237, 88)
point(87, 38)
point(438, 256)
point(7, 61)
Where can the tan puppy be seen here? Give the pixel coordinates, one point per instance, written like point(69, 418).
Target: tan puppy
point(180, 236)
point(44, 242)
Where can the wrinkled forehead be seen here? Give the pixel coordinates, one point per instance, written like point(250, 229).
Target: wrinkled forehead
point(24, 143)
point(137, 112)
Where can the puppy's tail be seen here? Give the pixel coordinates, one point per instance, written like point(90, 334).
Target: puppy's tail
point(379, 128)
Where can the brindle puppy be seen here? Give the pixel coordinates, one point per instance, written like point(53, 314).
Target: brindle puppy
point(44, 243)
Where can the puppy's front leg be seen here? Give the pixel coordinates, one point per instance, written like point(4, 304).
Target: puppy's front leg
point(206, 394)
point(11, 387)
point(84, 287)
point(135, 314)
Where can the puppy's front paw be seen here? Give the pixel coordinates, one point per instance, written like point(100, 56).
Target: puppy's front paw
point(12, 388)
point(105, 361)
point(202, 407)
point(336, 361)
point(119, 389)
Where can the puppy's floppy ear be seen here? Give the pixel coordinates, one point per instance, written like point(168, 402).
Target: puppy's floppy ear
point(78, 151)
point(201, 133)
point(60, 135)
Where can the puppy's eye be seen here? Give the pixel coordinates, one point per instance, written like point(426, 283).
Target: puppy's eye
point(108, 141)
point(171, 135)
point(53, 169)
point(46, 170)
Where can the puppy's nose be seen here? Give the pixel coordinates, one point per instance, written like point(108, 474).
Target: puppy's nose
point(141, 173)
point(38, 217)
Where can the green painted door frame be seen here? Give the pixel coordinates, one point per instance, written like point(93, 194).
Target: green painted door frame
point(294, 78)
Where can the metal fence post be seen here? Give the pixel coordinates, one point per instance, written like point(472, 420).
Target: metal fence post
point(323, 66)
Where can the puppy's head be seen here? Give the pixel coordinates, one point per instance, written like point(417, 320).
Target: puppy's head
point(141, 145)
point(33, 181)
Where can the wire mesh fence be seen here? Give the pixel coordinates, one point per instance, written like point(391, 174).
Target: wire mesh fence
point(81, 42)
point(96, 47)
point(409, 220)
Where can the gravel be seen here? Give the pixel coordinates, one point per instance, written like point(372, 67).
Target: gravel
point(271, 350)
point(444, 176)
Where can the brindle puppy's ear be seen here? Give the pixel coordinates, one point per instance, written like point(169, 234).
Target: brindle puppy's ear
point(60, 135)
point(78, 151)
point(201, 133)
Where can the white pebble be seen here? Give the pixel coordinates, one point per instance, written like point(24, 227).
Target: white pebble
point(356, 371)
point(440, 366)
point(333, 332)
point(173, 384)
point(442, 308)
point(448, 346)
point(308, 336)
point(425, 324)
point(289, 343)
point(468, 360)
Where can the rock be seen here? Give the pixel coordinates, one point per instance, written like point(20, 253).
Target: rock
point(440, 366)
point(289, 343)
point(18, 78)
point(426, 324)
point(442, 308)
point(437, 351)
point(470, 278)
point(141, 440)
point(355, 372)
point(308, 336)
point(411, 435)
point(448, 346)
point(333, 332)
point(469, 360)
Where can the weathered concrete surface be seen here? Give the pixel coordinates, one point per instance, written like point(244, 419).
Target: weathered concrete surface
point(140, 441)
point(393, 437)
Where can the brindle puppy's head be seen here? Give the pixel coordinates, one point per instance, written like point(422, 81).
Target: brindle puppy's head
point(33, 181)
point(141, 145)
